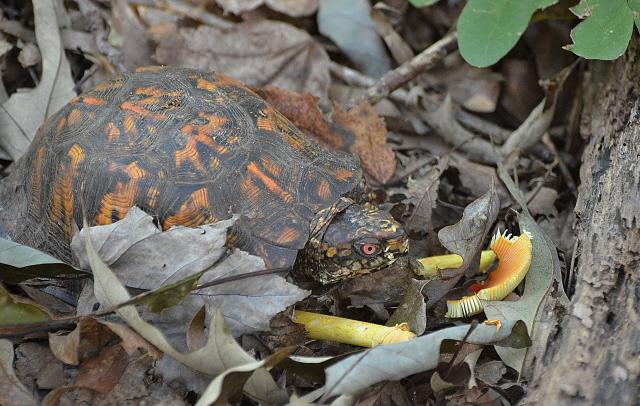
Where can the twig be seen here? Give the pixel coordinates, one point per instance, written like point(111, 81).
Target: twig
point(189, 10)
point(409, 70)
point(482, 126)
point(566, 174)
point(354, 78)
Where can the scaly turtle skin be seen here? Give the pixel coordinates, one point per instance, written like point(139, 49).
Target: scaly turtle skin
point(191, 148)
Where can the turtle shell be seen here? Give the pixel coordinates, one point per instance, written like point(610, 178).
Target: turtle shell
point(186, 146)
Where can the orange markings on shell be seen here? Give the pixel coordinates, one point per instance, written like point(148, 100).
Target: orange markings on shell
point(129, 125)
point(200, 134)
point(152, 196)
point(273, 168)
point(139, 109)
point(62, 123)
point(124, 195)
point(220, 80)
point(206, 85)
point(76, 153)
point(74, 117)
point(195, 211)
point(343, 174)
point(149, 68)
point(62, 201)
point(113, 133)
point(93, 101)
point(324, 190)
point(251, 191)
point(288, 235)
point(269, 183)
point(265, 123)
point(214, 163)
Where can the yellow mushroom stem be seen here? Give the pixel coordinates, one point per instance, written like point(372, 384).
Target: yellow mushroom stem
point(432, 265)
point(514, 256)
point(348, 331)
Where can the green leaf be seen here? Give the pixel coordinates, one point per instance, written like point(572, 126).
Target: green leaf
point(634, 5)
point(606, 30)
point(19, 262)
point(422, 3)
point(18, 311)
point(488, 29)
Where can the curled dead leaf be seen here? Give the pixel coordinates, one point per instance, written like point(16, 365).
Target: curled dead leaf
point(257, 53)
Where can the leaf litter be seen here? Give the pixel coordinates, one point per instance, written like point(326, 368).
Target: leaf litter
point(275, 45)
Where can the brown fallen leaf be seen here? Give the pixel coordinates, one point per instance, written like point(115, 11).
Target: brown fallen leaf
point(292, 8)
point(257, 53)
point(359, 131)
point(136, 385)
point(12, 391)
point(370, 140)
point(303, 111)
point(102, 372)
point(84, 342)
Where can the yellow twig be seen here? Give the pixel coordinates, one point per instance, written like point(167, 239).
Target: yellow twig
point(354, 332)
point(432, 265)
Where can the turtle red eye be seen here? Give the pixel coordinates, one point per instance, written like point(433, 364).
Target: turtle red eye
point(369, 249)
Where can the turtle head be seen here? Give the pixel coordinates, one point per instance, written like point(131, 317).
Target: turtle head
point(348, 240)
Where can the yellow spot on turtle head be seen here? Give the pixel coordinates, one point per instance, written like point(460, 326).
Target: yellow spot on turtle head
point(331, 252)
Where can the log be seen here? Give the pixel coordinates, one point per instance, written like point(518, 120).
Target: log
point(594, 355)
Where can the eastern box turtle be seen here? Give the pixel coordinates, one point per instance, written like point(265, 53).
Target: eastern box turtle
point(190, 148)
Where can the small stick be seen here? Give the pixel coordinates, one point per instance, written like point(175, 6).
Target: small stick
point(409, 70)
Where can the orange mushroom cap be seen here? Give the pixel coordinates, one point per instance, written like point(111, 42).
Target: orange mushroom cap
point(514, 256)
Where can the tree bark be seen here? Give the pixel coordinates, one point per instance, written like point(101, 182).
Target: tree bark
point(594, 356)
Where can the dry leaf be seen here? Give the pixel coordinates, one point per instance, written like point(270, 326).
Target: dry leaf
point(370, 140)
point(132, 35)
point(349, 25)
point(422, 193)
point(219, 353)
point(257, 53)
point(475, 89)
point(24, 112)
point(137, 252)
point(359, 131)
point(292, 8)
point(29, 55)
point(12, 391)
point(228, 385)
point(83, 343)
point(465, 238)
point(102, 372)
point(400, 50)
